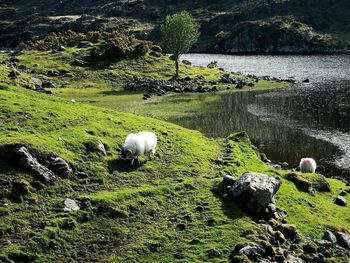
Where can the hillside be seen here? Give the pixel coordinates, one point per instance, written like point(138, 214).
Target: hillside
point(235, 26)
point(173, 208)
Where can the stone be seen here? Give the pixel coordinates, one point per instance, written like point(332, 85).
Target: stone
point(102, 148)
point(27, 160)
point(20, 188)
point(60, 166)
point(306, 81)
point(61, 48)
point(264, 158)
point(255, 191)
point(155, 54)
point(310, 248)
point(343, 240)
point(339, 200)
point(48, 84)
point(213, 64)
point(228, 180)
point(344, 193)
point(279, 237)
point(14, 74)
point(213, 253)
point(228, 79)
point(289, 231)
point(186, 62)
point(14, 59)
point(84, 44)
point(79, 63)
point(70, 205)
point(329, 236)
point(252, 249)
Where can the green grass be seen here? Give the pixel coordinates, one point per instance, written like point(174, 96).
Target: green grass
point(157, 211)
point(132, 210)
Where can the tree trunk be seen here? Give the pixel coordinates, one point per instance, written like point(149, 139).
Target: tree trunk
point(177, 67)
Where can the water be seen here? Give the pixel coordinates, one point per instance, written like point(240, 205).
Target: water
point(306, 120)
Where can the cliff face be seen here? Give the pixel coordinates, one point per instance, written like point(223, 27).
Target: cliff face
point(247, 26)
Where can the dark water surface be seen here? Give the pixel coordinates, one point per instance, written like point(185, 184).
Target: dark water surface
point(307, 120)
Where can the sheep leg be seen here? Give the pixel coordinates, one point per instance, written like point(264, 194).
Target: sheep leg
point(149, 156)
point(132, 161)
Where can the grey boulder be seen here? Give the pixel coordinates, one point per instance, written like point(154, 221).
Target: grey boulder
point(255, 191)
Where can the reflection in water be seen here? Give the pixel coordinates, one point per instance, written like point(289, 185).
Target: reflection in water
point(309, 120)
point(232, 112)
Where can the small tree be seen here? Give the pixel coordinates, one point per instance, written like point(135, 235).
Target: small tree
point(178, 33)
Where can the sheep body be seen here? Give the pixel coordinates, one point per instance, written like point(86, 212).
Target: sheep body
point(137, 144)
point(307, 165)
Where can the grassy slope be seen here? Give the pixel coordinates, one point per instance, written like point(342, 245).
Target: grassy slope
point(100, 85)
point(151, 200)
point(134, 214)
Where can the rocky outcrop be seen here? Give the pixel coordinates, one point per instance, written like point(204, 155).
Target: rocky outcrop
point(28, 161)
point(275, 36)
point(255, 191)
point(47, 169)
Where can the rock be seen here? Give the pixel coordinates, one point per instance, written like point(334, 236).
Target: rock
point(310, 248)
point(48, 84)
point(28, 161)
point(264, 158)
point(213, 253)
point(304, 184)
point(70, 205)
point(213, 64)
point(329, 236)
point(14, 59)
point(61, 48)
point(228, 79)
point(155, 54)
point(228, 180)
point(37, 83)
point(289, 231)
point(255, 191)
point(252, 250)
point(339, 200)
point(343, 240)
point(60, 166)
point(14, 74)
point(102, 148)
point(186, 62)
point(79, 63)
point(344, 193)
point(156, 48)
point(306, 81)
point(293, 259)
point(20, 188)
point(84, 44)
point(279, 237)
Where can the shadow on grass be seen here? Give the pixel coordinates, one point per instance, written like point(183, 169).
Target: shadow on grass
point(123, 166)
point(230, 208)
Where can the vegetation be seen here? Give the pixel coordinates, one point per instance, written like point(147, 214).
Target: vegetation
point(326, 19)
point(178, 33)
point(163, 210)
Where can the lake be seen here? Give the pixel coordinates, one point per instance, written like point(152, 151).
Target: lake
point(306, 120)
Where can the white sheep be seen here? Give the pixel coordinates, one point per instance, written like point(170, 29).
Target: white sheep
point(307, 165)
point(138, 144)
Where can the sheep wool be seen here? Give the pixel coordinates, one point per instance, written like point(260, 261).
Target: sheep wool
point(138, 144)
point(307, 165)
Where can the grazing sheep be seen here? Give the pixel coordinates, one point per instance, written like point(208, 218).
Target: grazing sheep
point(138, 144)
point(307, 165)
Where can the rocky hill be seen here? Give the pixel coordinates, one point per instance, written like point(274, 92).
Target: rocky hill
point(232, 26)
